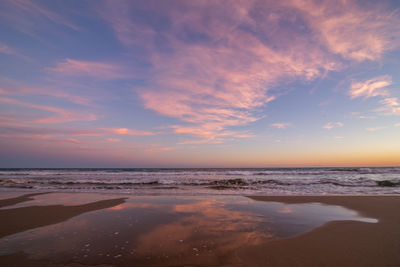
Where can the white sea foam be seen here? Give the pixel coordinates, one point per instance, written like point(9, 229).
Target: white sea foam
point(292, 181)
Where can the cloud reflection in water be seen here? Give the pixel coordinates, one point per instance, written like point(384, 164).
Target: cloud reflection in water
point(147, 229)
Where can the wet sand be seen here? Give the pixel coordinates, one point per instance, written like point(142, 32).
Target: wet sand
point(336, 243)
point(341, 243)
point(15, 200)
point(25, 218)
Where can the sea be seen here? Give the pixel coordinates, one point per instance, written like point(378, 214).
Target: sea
point(206, 181)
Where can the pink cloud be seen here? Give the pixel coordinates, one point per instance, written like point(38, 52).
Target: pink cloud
point(223, 81)
point(213, 140)
point(94, 143)
point(390, 101)
point(21, 89)
point(15, 126)
point(127, 32)
point(215, 91)
point(125, 131)
point(27, 16)
point(62, 115)
point(366, 117)
point(158, 149)
point(377, 87)
point(351, 30)
point(100, 70)
point(374, 129)
point(113, 140)
point(371, 88)
point(74, 141)
point(391, 106)
point(280, 125)
point(208, 132)
point(224, 85)
point(331, 125)
point(6, 49)
point(8, 119)
point(45, 137)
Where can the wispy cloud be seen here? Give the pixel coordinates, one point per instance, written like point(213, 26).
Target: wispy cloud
point(12, 126)
point(212, 67)
point(99, 70)
point(8, 50)
point(366, 117)
point(30, 16)
point(225, 78)
point(280, 125)
point(125, 131)
point(331, 125)
point(348, 29)
point(61, 115)
point(5, 49)
point(391, 106)
point(113, 140)
point(359, 115)
point(119, 16)
point(41, 137)
point(7, 119)
point(390, 102)
point(209, 133)
point(377, 87)
point(374, 129)
point(23, 90)
point(224, 71)
point(371, 88)
point(74, 139)
point(158, 149)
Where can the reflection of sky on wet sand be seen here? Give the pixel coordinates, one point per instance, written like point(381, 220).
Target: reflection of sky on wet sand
point(6, 195)
point(70, 199)
point(150, 229)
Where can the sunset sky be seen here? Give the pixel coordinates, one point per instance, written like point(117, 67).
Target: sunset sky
point(199, 83)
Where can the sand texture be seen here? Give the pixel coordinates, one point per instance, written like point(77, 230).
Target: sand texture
point(341, 243)
point(336, 243)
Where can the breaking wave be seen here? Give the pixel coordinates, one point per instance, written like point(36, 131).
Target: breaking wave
point(203, 181)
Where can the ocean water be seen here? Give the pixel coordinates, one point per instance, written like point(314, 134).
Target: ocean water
point(231, 181)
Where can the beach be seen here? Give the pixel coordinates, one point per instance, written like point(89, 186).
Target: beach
point(78, 229)
point(200, 133)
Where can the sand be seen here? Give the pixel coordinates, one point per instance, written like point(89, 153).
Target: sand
point(25, 218)
point(341, 243)
point(336, 243)
point(16, 200)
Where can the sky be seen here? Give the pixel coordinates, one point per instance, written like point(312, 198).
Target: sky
point(289, 83)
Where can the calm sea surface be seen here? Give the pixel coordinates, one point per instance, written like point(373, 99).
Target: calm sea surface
point(259, 181)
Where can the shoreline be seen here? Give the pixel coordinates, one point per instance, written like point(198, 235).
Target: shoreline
point(216, 193)
point(335, 243)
